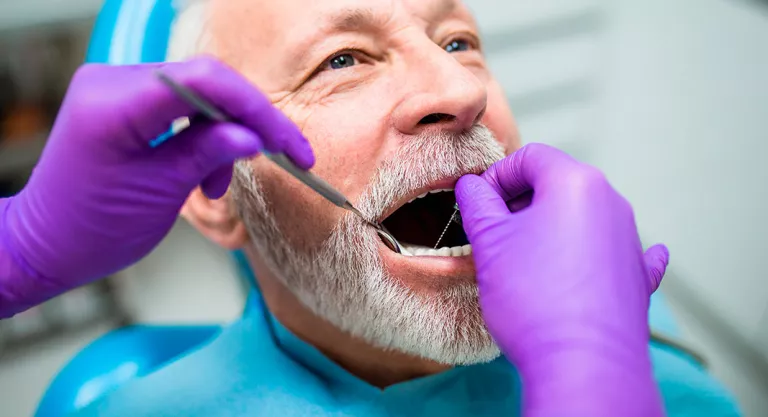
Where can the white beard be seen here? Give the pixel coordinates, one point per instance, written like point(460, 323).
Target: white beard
point(344, 280)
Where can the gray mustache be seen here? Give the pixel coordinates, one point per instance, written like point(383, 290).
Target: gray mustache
point(426, 159)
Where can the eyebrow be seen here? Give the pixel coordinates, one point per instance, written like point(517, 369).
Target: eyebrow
point(355, 20)
point(363, 20)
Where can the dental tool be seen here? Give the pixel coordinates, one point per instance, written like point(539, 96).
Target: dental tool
point(450, 222)
point(309, 179)
point(455, 218)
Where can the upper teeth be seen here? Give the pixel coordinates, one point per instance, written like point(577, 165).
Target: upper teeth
point(415, 250)
point(445, 190)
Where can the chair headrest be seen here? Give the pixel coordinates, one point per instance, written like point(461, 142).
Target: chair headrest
point(131, 32)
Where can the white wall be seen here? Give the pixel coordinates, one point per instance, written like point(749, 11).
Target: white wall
point(545, 53)
point(21, 13)
point(686, 139)
point(187, 279)
point(670, 98)
point(686, 121)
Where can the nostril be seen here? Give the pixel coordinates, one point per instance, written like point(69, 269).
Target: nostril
point(436, 118)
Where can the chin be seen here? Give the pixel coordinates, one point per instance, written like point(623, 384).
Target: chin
point(451, 328)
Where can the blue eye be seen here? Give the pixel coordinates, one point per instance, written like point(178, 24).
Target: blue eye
point(342, 61)
point(457, 46)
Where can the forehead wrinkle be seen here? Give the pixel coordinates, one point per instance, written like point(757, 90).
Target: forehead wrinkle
point(438, 11)
point(442, 8)
point(356, 20)
point(367, 20)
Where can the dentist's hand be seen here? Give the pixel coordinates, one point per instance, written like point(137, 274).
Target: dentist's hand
point(101, 198)
point(564, 284)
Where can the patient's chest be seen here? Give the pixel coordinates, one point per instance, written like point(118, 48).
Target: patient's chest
point(243, 373)
point(239, 375)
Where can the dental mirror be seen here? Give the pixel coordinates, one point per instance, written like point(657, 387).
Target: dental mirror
point(386, 236)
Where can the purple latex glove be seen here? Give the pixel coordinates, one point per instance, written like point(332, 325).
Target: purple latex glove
point(564, 284)
point(101, 198)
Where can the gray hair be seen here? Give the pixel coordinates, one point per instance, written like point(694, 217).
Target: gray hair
point(189, 35)
point(344, 279)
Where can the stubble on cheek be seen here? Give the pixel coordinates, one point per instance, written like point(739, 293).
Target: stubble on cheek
point(304, 218)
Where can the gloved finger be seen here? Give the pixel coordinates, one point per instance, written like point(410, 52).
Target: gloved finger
point(217, 183)
point(481, 207)
point(521, 202)
point(656, 260)
point(242, 101)
point(149, 106)
point(527, 169)
point(205, 149)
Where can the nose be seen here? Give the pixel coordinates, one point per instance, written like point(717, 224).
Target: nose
point(440, 93)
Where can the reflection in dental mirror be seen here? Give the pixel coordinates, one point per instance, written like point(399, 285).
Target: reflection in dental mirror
point(418, 224)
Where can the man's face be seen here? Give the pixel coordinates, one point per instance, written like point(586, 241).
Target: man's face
point(390, 94)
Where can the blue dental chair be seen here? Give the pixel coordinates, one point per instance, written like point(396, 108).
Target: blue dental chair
point(127, 353)
point(127, 32)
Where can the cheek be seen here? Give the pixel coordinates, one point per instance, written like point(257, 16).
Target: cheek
point(499, 119)
point(304, 218)
point(349, 138)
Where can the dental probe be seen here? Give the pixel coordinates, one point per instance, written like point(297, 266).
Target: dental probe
point(455, 218)
point(311, 180)
point(450, 222)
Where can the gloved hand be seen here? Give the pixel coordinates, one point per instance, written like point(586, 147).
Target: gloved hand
point(564, 284)
point(101, 198)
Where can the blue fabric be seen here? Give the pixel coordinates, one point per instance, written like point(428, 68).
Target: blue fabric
point(124, 354)
point(687, 388)
point(256, 367)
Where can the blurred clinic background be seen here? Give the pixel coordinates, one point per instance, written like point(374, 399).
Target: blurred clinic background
point(669, 97)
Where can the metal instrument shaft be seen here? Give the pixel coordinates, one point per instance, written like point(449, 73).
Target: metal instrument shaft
point(311, 180)
point(450, 222)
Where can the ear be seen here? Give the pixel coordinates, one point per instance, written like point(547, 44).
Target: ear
point(215, 219)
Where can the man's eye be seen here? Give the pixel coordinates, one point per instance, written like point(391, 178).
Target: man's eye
point(458, 45)
point(342, 61)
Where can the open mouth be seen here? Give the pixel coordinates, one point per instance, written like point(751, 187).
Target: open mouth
point(420, 223)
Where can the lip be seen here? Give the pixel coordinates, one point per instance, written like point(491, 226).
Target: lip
point(430, 272)
point(435, 272)
point(444, 184)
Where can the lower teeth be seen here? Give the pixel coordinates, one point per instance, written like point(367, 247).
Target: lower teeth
point(456, 251)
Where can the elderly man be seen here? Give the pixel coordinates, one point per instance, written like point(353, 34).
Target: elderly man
point(398, 105)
